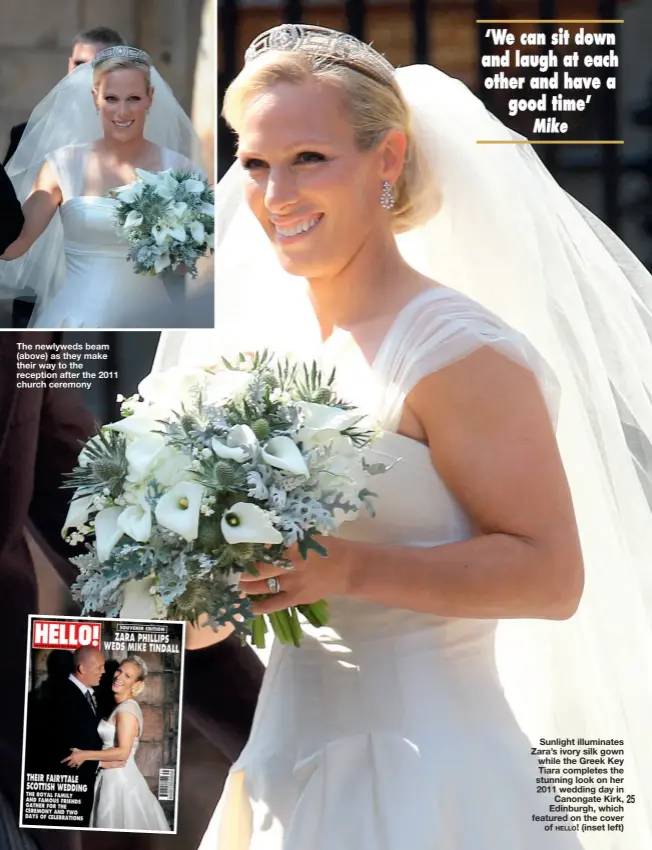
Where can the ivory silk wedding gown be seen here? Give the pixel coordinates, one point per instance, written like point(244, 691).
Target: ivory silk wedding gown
point(100, 288)
point(123, 799)
point(390, 729)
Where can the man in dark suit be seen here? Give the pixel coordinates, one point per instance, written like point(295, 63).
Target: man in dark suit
point(11, 214)
point(84, 48)
point(40, 431)
point(74, 722)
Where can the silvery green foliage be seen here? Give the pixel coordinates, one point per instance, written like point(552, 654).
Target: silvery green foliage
point(166, 223)
point(196, 577)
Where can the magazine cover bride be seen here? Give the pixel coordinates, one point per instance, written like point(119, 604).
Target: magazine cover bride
point(393, 472)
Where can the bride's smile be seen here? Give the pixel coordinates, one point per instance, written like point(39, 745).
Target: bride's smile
point(122, 97)
point(311, 183)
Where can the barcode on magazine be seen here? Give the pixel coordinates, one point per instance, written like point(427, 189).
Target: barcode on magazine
point(166, 783)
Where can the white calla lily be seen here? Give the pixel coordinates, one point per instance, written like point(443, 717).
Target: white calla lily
point(178, 509)
point(162, 263)
point(107, 532)
point(173, 387)
point(322, 423)
point(138, 602)
point(177, 231)
point(198, 232)
point(141, 456)
point(194, 186)
point(241, 444)
point(247, 523)
point(78, 512)
point(142, 422)
point(149, 177)
point(178, 208)
point(136, 522)
point(283, 453)
point(134, 219)
point(129, 193)
point(171, 468)
point(207, 209)
point(210, 241)
point(165, 185)
point(226, 385)
point(161, 234)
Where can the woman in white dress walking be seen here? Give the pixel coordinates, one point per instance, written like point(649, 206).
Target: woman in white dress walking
point(362, 225)
point(89, 136)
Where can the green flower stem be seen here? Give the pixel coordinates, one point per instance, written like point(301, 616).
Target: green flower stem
point(258, 630)
point(295, 626)
point(279, 622)
point(316, 613)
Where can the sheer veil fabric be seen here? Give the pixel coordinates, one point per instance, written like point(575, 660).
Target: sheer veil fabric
point(508, 237)
point(67, 116)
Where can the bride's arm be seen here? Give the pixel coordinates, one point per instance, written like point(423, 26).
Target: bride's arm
point(38, 210)
point(126, 733)
point(492, 443)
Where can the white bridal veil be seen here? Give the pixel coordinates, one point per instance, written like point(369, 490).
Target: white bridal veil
point(67, 116)
point(509, 237)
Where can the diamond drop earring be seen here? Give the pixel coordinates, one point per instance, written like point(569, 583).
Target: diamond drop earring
point(387, 199)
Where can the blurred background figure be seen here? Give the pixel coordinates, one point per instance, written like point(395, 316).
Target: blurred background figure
point(613, 181)
point(11, 214)
point(84, 48)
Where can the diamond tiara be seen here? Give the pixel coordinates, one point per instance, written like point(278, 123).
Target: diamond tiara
point(120, 51)
point(342, 48)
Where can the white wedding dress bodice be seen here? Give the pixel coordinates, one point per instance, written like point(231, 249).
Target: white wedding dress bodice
point(390, 729)
point(100, 288)
point(123, 799)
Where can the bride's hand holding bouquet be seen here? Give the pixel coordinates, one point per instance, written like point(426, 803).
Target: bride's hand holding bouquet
point(212, 479)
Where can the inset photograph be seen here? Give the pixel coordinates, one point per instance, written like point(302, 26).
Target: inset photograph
point(106, 188)
point(102, 724)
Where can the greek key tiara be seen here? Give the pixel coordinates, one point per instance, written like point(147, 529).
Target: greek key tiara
point(342, 48)
point(120, 51)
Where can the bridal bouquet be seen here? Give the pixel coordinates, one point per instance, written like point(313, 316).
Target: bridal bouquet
point(207, 475)
point(167, 218)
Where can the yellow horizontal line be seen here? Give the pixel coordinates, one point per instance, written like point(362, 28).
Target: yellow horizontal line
point(547, 21)
point(546, 142)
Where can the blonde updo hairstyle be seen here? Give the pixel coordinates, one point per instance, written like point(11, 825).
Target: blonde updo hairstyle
point(119, 63)
point(138, 662)
point(374, 107)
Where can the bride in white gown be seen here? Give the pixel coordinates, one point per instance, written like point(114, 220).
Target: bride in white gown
point(122, 798)
point(83, 145)
point(469, 615)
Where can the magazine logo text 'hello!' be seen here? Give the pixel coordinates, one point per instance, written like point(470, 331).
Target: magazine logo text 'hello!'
point(48, 634)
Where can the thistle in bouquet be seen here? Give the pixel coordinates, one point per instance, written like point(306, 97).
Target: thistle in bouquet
point(168, 219)
point(208, 475)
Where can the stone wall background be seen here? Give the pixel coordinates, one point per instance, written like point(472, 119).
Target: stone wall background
point(36, 38)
